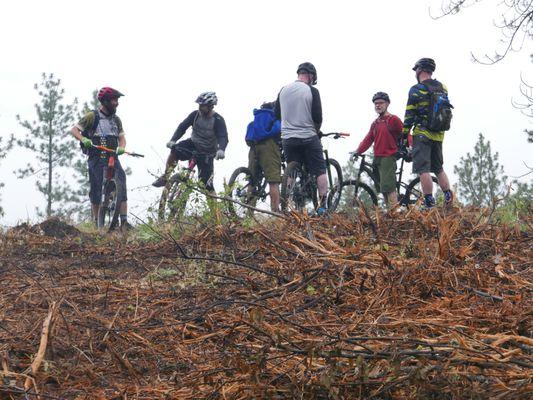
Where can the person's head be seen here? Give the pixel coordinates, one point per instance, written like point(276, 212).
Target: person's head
point(381, 102)
point(108, 97)
point(268, 105)
point(206, 102)
point(424, 68)
point(307, 73)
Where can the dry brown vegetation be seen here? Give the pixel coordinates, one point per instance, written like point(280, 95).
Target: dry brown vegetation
point(423, 306)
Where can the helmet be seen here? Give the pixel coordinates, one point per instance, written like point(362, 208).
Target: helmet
point(381, 96)
point(207, 98)
point(425, 64)
point(107, 93)
point(308, 68)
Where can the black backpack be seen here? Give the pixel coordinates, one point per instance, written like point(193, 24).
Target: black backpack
point(440, 108)
point(89, 132)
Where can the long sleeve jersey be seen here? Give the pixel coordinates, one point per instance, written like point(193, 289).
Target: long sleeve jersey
point(204, 135)
point(384, 133)
point(417, 111)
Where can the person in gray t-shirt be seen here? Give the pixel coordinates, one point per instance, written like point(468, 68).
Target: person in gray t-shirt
point(300, 110)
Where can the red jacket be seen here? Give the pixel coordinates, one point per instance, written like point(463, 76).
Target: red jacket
point(384, 133)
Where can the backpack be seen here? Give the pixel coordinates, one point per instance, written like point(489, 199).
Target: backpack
point(89, 132)
point(264, 126)
point(440, 108)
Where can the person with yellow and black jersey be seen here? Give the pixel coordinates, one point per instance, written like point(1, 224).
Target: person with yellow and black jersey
point(427, 143)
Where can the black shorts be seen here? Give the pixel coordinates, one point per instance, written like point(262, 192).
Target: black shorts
point(306, 151)
point(97, 166)
point(427, 155)
point(184, 150)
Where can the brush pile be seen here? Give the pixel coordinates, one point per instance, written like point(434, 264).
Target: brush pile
point(419, 306)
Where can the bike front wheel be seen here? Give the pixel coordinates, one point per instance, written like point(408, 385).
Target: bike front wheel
point(109, 210)
point(241, 188)
point(335, 191)
point(298, 192)
point(173, 200)
point(355, 196)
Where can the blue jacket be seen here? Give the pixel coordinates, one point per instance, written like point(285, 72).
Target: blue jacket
point(264, 126)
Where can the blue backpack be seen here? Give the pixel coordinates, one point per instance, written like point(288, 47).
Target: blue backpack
point(264, 126)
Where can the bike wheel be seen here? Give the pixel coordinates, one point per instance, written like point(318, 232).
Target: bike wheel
point(109, 209)
point(241, 188)
point(173, 199)
point(355, 196)
point(298, 192)
point(335, 192)
point(414, 194)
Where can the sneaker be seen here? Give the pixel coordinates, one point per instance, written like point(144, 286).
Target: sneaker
point(160, 182)
point(448, 197)
point(321, 211)
point(126, 226)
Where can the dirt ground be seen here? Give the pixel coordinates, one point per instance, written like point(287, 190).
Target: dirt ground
point(420, 306)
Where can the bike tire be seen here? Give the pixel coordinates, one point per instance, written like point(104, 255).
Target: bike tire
point(414, 194)
point(109, 210)
point(354, 194)
point(171, 203)
point(296, 191)
point(334, 194)
point(240, 183)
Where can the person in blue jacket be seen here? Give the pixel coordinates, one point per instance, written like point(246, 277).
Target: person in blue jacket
point(263, 137)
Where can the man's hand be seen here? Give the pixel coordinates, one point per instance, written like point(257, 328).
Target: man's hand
point(354, 155)
point(86, 142)
point(220, 154)
point(120, 150)
point(171, 144)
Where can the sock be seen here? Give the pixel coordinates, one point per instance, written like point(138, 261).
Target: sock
point(429, 200)
point(123, 219)
point(448, 196)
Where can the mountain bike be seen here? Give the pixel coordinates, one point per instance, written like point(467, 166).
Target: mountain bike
point(112, 190)
point(357, 191)
point(248, 188)
point(178, 188)
point(299, 190)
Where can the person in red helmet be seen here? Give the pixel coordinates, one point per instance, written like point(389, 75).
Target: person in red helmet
point(103, 127)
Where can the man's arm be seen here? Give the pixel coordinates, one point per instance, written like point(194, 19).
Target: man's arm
point(411, 110)
point(221, 132)
point(277, 108)
point(367, 141)
point(182, 128)
point(316, 108)
point(83, 124)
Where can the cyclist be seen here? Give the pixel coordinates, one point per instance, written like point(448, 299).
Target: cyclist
point(103, 127)
point(385, 133)
point(427, 145)
point(209, 138)
point(263, 137)
point(299, 108)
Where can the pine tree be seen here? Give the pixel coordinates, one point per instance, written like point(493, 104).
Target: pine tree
point(481, 177)
point(3, 152)
point(55, 150)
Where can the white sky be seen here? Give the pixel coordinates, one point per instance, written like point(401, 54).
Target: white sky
point(162, 54)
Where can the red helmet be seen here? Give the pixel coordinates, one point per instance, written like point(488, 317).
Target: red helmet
point(107, 93)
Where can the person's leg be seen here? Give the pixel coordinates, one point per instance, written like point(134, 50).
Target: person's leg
point(181, 151)
point(269, 157)
point(123, 212)
point(273, 188)
point(316, 165)
point(96, 176)
point(422, 167)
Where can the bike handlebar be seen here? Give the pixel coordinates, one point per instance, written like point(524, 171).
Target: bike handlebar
point(336, 135)
point(108, 150)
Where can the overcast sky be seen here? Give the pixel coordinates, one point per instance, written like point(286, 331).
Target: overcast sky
point(162, 54)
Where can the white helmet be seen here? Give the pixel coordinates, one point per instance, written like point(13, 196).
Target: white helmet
point(207, 98)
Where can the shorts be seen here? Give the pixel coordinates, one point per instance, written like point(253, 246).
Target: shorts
point(97, 166)
point(265, 156)
point(386, 176)
point(306, 151)
point(184, 149)
point(427, 155)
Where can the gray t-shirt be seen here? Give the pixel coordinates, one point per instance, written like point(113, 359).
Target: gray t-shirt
point(300, 110)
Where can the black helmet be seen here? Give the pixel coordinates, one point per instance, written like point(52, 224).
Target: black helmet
point(381, 96)
point(425, 64)
point(308, 68)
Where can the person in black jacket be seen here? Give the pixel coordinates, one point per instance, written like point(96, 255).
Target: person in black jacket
point(208, 140)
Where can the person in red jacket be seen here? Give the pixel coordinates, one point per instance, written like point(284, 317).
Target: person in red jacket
point(385, 133)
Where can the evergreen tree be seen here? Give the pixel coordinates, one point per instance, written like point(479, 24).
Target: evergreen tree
point(481, 177)
point(3, 152)
point(55, 150)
